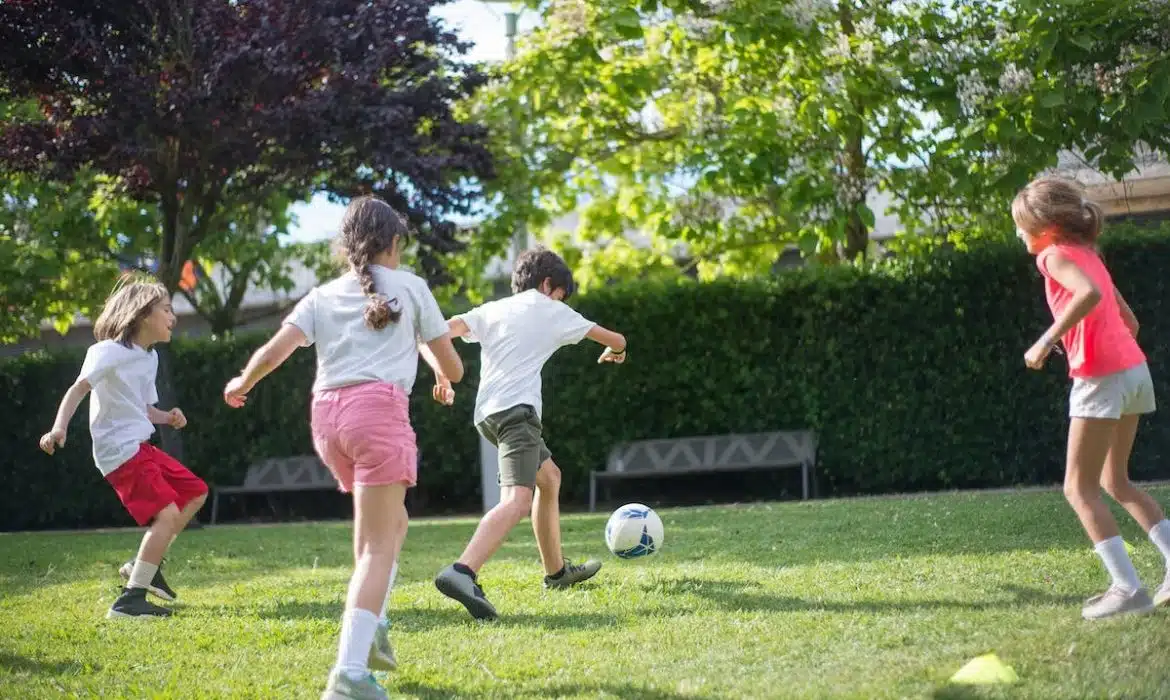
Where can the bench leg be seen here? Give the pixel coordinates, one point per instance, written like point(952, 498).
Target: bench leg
point(592, 492)
point(804, 479)
point(214, 505)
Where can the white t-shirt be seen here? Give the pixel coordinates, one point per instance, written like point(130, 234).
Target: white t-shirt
point(518, 334)
point(349, 351)
point(122, 381)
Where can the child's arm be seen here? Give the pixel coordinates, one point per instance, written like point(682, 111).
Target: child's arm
point(1127, 314)
point(1085, 297)
point(270, 356)
point(458, 327)
point(173, 417)
point(615, 344)
point(55, 438)
point(442, 391)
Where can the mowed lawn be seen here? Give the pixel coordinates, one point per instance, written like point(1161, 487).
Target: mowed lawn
point(872, 598)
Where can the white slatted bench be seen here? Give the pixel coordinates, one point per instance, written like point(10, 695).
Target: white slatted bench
point(712, 453)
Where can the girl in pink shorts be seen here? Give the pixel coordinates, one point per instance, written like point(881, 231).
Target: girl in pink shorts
point(369, 326)
point(1111, 385)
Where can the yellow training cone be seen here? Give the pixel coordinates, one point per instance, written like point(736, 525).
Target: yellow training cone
point(985, 669)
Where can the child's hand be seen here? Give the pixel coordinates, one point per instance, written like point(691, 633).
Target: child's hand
point(53, 439)
point(1037, 354)
point(234, 394)
point(176, 419)
point(610, 355)
point(442, 391)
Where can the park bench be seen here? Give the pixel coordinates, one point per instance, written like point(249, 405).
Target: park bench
point(280, 474)
point(712, 453)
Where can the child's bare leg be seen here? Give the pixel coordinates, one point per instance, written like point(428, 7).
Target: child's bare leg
point(1139, 504)
point(1089, 442)
point(378, 513)
point(189, 512)
point(1115, 478)
point(546, 517)
point(156, 541)
point(546, 524)
point(515, 503)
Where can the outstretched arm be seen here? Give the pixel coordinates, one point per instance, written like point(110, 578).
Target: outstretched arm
point(615, 344)
point(270, 356)
point(55, 438)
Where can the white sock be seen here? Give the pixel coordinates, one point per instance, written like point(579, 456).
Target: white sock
point(357, 634)
point(1112, 552)
point(1160, 536)
point(389, 590)
point(142, 574)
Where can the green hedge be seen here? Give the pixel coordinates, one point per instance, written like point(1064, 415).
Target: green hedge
point(912, 375)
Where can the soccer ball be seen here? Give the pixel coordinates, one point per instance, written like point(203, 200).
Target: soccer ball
point(634, 530)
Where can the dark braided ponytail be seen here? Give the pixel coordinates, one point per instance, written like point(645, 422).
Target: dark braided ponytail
point(368, 228)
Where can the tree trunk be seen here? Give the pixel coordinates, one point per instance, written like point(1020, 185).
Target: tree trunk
point(169, 272)
point(171, 440)
point(856, 243)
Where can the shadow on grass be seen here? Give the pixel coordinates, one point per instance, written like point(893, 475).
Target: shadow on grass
point(17, 664)
point(620, 690)
point(967, 692)
point(737, 596)
point(409, 619)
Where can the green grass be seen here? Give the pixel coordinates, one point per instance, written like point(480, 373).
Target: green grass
point(882, 598)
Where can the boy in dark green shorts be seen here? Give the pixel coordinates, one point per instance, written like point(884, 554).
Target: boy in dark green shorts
point(518, 335)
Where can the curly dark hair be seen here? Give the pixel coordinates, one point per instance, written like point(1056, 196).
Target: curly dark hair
point(368, 228)
point(535, 266)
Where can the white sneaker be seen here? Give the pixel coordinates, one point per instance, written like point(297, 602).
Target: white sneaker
point(1117, 601)
point(1162, 596)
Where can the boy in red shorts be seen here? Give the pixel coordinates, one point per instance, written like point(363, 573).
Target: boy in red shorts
point(120, 370)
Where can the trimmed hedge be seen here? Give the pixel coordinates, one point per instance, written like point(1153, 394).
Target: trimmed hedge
point(913, 375)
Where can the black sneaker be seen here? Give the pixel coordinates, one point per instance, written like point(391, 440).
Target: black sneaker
point(465, 589)
point(573, 574)
point(158, 585)
point(133, 603)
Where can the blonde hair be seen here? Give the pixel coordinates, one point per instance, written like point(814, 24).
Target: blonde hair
point(127, 307)
point(1058, 204)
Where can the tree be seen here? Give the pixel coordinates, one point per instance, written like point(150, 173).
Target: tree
point(1089, 77)
point(70, 242)
point(198, 104)
point(198, 107)
point(725, 131)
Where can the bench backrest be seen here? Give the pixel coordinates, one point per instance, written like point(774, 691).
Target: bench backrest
point(775, 449)
point(306, 471)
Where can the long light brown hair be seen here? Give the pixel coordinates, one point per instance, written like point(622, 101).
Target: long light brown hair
point(127, 307)
point(1059, 205)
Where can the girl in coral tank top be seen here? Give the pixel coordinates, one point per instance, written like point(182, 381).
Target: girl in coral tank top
point(1111, 385)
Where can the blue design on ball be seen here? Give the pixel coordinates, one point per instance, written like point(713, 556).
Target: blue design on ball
point(645, 546)
point(635, 513)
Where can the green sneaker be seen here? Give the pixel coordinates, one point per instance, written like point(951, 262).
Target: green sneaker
point(381, 653)
point(342, 687)
point(466, 590)
point(573, 574)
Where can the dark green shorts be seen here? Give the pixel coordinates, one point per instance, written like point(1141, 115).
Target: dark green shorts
point(516, 434)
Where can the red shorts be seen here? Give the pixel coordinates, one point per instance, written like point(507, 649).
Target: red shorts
point(362, 433)
point(152, 480)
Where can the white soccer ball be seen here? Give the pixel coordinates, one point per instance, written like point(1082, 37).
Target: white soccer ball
point(634, 530)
